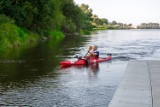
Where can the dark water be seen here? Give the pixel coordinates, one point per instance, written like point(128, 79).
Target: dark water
point(32, 77)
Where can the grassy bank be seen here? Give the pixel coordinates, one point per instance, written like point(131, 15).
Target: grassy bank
point(12, 36)
point(111, 28)
point(99, 28)
point(85, 32)
point(26, 22)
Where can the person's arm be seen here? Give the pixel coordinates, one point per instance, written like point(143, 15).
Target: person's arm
point(92, 53)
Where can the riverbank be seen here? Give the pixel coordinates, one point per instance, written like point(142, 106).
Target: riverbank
point(16, 37)
point(24, 23)
point(112, 28)
point(12, 36)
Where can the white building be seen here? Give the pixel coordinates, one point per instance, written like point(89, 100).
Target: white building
point(149, 26)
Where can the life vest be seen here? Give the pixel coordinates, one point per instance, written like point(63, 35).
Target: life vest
point(97, 52)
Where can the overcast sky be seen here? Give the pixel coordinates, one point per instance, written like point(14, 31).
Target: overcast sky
point(126, 11)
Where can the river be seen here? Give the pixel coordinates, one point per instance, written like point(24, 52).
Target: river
point(32, 77)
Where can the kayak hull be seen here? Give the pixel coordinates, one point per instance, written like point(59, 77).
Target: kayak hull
point(84, 62)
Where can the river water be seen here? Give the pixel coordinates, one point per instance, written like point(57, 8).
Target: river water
point(32, 77)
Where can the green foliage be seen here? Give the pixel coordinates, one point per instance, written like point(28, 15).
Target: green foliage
point(99, 28)
point(41, 16)
point(22, 20)
point(85, 32)
point(4, 19)
point(99, 23)
point(74, 17)
point(34, 15)
point(56, 34)
point(13, 36)
point(87, 24)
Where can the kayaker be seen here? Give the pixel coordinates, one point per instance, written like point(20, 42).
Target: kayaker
point(93, 53)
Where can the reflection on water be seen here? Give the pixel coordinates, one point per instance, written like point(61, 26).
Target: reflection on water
point(32, 77)
point(93, 70)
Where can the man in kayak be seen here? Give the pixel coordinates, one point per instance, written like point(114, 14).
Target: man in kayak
point(94, 53)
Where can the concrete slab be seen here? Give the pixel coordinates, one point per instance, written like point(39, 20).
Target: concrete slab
point(128, 104)
point(135, 88)
point(156, 102)
point(154, 70)
point(140, 86)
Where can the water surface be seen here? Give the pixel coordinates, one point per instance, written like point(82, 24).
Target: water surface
point(32, 77)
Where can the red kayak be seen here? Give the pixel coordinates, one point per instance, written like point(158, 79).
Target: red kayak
point(84, 62)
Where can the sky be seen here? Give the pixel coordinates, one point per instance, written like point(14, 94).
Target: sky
point(126, 11)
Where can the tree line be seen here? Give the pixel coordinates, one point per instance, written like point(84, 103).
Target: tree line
point(43, 16)
point(25, 20)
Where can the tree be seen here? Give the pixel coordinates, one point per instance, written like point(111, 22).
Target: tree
point(114, 22)
point(104, 20)
point(74, 17)
point(130, 25)
point(33, 15)
point(88, 16)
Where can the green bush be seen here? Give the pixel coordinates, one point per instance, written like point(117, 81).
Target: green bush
point(23, 22)
point(57, 34)
point(85, 32)
point(4, 19)
point(11, 35)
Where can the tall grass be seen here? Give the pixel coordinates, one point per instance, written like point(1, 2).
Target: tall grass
point(13, 36)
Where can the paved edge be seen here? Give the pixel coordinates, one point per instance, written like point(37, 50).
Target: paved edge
point(135, 88)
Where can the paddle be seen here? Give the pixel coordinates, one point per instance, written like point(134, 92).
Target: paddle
point(89, 49)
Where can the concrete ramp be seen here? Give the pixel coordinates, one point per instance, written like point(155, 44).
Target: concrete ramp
point(140, 86)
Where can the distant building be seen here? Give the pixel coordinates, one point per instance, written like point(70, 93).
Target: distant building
point(149, 26)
